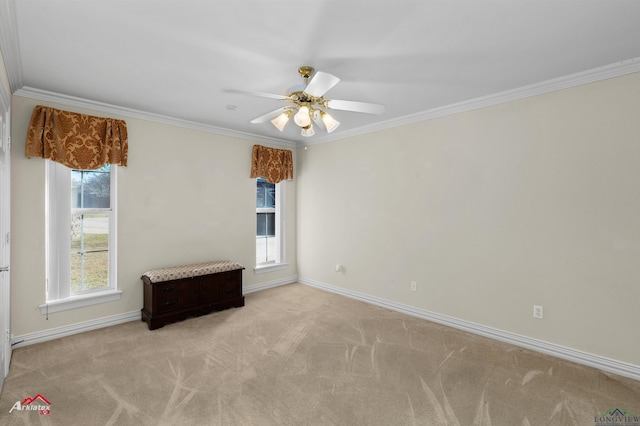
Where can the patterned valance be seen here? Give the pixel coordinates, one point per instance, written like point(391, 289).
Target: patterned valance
point(78, 141)
point(273, 165)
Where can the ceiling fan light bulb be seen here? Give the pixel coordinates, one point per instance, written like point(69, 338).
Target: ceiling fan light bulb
point(302, 117)
point(307, 131)
point(280, 121)
point(329, 122)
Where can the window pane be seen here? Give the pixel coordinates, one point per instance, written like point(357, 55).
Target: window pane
point(266, 224)
point(265, 249)
point(89, 251)
point(265, 194)
point(91, 188)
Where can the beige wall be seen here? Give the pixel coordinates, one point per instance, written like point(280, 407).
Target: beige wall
point(185, 197)
point(491, 211)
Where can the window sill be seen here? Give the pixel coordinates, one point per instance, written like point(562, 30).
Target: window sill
point(261, 269)
point(81, 301)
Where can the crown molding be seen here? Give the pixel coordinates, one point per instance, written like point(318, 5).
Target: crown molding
point(9, 44)
point(605, 72)
point(4, 99)
point(617, 69)
point(58, 98)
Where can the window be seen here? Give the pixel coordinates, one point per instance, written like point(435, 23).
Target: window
point(81, 231)
point(266, 222)
point(269, 225)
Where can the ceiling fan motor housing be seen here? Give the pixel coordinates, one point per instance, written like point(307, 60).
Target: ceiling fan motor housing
point(305, 72)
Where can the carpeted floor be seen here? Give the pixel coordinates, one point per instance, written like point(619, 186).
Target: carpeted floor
point(295, 355)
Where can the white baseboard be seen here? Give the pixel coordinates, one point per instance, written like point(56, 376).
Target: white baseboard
point(270, 284)
point(612, 366)
point(68, 330)
point(579, 357)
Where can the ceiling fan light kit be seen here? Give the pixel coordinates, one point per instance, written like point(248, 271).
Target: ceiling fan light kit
point(281, 120)
point(307, 104)
point(330, 123)
point(302, 117)
point(307, 131)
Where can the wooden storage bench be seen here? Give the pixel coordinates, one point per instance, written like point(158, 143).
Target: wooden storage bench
point(174, 294)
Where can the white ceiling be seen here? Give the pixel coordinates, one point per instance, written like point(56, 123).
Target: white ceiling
point(175, 58)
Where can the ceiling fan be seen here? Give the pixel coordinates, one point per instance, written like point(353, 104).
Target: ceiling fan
point(307, 105)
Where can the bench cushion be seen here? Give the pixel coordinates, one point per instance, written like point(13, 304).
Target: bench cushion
point(188, 271)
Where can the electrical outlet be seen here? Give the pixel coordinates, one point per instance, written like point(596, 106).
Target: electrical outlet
point(538, 311)
point(414, 286)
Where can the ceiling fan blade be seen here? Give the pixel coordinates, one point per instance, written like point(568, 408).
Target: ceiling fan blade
point(260, 94)
point(269, 116)
point(356, 106)
point(320, 84)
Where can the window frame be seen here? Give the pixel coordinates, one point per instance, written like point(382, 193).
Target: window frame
point(59, 296)
point(280, 260)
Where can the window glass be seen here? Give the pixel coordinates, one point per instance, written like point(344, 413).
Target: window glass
point(266, 225)
point(265, 194)
point(89, 252)
point(90, 188)
point(90, 219)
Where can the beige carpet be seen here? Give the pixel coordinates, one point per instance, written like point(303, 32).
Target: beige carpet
point(295, 355)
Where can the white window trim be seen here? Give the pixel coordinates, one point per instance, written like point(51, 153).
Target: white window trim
point(269, 267)
point(58, 210)
point(280, 262)
point(80, 301)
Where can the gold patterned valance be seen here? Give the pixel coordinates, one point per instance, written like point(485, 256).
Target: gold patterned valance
point(78, 141)
point(273, 165)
